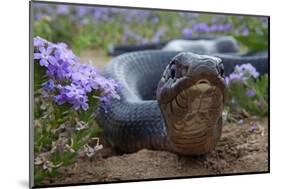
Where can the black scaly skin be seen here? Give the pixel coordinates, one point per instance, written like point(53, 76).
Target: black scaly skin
point(135, 121)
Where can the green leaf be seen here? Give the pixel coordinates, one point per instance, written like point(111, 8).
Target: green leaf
point(254, 43)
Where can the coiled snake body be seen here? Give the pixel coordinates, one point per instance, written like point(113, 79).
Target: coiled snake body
point(169, 100)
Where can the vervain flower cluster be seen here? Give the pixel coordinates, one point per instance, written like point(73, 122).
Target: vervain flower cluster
point(242, 73)
point(205, 28)
point(189, 26)
point(69, 81)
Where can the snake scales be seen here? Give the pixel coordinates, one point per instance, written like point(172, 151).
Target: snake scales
point(169, 100)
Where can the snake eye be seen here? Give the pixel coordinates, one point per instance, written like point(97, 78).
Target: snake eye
point(173, 72)
point(221, 69)
point(172, 68)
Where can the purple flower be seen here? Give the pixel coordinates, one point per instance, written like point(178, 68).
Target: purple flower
point(82, 11)
point(133, 35)
point(49, 85)
point(187, 32)
point(253, 127)
point(105, 101)
point(250, 93)
point(60, 98)
point(72, 94)
point(69, 81)
point(160, 32)
point(62, 9)
point(227, 81)
point(154, 20)
point(60, 71)
point(224, 27)
point(74, 91)
point(201, 27)
point(109, 89)
point(241, 122)
point(214, 28)
point(59, 46)
point(242, 73)
point(39, 42)
point(227, 27)
point(100, 14)
point(245, 32)
point(248, 70)
point(85, 75)
point(45, 56)
point(64, 54)
point(81, 102)
point(234, 77)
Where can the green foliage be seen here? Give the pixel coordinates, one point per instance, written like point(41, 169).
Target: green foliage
point(40, 174)
point(39, 76)
point(60, 29)
point(43, 27)
point(254, 42)
point(60, 132)
point(257, 40)
point(256, 104)
point(101, 34)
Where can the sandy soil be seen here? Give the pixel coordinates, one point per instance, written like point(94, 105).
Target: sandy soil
point(242, 148)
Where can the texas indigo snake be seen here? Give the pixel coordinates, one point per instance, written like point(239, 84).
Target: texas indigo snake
point(169, 100)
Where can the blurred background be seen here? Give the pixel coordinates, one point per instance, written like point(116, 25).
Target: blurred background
point(90, 30)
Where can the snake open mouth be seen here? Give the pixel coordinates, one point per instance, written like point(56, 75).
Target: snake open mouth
point(192, 103)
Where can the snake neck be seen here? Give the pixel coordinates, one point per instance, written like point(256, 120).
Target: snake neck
point(193, 119)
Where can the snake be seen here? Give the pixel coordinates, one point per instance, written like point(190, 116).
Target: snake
point(170, 100)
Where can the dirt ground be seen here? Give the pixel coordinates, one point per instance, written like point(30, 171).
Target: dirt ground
point(242, 148)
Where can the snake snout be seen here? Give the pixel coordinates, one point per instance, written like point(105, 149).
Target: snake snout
point(203, 68)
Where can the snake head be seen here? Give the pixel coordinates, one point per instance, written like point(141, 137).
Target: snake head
point(191, 95)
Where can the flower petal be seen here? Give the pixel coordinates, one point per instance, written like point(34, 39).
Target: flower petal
point(52, 60)
point(37, 56)
point(43, 62)
point(42, 49)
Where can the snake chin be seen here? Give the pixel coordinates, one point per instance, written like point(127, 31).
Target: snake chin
point(193, 118)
